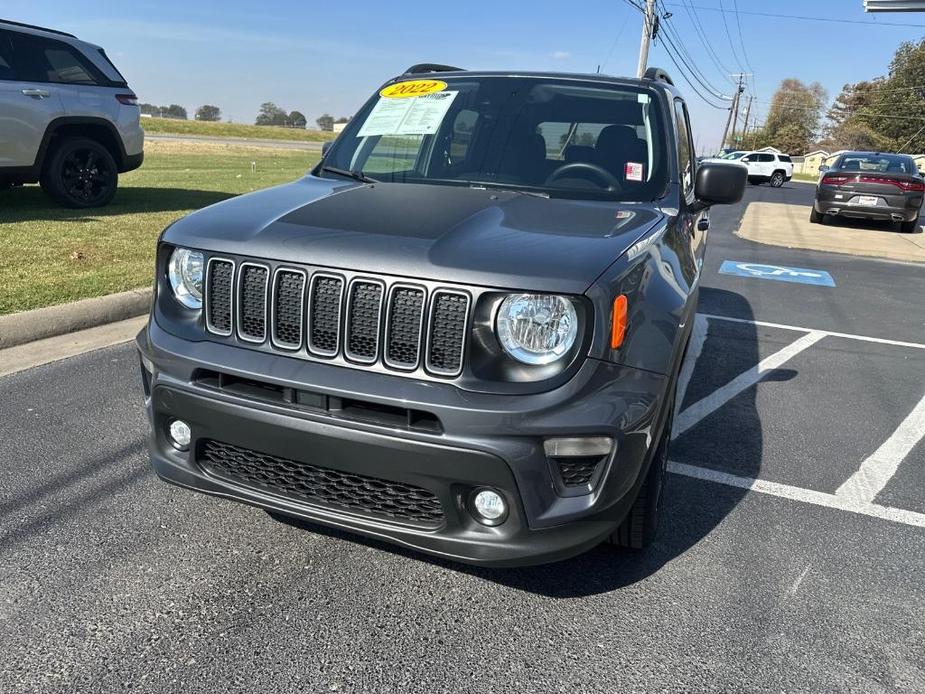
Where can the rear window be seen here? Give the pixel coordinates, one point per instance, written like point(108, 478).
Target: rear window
point(47, 60)
point(784, 157)
point(881, 163)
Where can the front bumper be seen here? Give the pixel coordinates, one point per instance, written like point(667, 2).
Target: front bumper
point(486, 440)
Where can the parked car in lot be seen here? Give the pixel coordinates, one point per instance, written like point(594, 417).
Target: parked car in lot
point(763, 167)
point(68, 120)
point(461, 332)
point(870, 185)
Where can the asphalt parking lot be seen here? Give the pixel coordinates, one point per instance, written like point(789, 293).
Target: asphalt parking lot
point(790, 559)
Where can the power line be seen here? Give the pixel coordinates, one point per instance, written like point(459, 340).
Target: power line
point(679, 46)
point(668, 50)
point(732, 45)
point(698, 27)
point(617, 37)
point(810, 19)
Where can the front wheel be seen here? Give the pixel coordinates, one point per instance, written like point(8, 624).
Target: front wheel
point(80, 173)
point(777, 179)
point(815, 217)
point(640, 525)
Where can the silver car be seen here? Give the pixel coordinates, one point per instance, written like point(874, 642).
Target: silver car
point(68, 119)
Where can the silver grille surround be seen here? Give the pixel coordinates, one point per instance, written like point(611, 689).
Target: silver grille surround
point(389, 285)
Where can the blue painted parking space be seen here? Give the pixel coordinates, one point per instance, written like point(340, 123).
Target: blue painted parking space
point(780, 273)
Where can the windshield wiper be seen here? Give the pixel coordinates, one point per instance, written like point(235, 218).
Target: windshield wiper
point(355, 175)
point(521, 191)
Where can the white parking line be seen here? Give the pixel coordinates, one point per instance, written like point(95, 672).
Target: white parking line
point(724, 394)
point(849, 336)
point(807, 496)
point(881, 465)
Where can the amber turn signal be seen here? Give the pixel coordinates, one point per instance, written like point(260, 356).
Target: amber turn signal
point(618, 322)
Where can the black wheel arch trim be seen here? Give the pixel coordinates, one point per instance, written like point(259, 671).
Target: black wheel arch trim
point(124, 162)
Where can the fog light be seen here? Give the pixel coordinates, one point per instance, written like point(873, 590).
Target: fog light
point(489, 507)
point(180, 434)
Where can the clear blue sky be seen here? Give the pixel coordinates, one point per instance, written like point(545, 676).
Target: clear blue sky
point(328, 56)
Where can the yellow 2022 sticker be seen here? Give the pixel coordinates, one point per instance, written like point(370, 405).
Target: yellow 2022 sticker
point(403, 90)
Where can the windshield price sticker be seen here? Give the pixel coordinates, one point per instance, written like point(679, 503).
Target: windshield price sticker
point(403, 90)
point(633, 171)
point(421, 115)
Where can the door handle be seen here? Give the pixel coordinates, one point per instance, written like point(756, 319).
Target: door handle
point(40, 93)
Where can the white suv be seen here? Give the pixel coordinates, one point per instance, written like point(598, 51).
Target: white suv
point(763, 167)
point(67, 117)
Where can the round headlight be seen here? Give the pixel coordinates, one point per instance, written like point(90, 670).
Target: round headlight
point(185, 273)
point(537, 328)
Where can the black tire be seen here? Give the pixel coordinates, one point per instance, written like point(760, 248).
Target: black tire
point(777, 179)
point(80, 173)
point(909, 227)
point(815, 217)
point(638, 529)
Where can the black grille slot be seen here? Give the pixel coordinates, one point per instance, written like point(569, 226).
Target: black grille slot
point(252, 303)
point(578, 472)
point(324, 315)
point(325, 486)
point(403, 342)
point(449, 315)
point(287, 308)
point(218, 296)
point(363, 311)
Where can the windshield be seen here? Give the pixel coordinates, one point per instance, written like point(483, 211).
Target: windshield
point(882, 163)
point(733, 155)
point(554, 137)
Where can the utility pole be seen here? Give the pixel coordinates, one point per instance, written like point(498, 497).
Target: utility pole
point(648, 30)
point(748, 108)
point(733, 111)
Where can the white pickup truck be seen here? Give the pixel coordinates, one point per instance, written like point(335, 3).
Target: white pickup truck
point(763, 167)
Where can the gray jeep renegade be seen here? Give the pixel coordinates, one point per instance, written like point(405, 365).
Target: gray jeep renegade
point(461, 332)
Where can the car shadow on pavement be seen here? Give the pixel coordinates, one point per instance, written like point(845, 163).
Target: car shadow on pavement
point(692, 508)
point(30, 204)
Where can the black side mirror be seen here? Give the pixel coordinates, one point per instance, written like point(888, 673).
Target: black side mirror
point(719, 184)
point(325, 146)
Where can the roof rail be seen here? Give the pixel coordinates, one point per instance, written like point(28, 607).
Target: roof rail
point(422, 68)
point(38, 28)
point(656, 73)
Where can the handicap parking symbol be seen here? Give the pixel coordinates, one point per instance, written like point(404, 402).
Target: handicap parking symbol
point(780, 273)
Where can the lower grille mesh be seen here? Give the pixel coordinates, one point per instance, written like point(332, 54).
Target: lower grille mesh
point(577, 472)
point(304, 482)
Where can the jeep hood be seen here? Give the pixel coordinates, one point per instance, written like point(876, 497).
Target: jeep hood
point(462, 235)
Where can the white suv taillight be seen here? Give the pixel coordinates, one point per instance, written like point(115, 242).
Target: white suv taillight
point(127, 99)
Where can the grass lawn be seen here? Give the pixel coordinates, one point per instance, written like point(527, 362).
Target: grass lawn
point(810, 178)
point(51, 254)
point(171, 126)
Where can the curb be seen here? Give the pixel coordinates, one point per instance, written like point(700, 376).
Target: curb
point(51, 321)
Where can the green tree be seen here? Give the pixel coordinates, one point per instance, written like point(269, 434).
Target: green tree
point(271, 114)
point(296, 120)
point(209, 113)
point(150, 109)
point(896, 112)
point(326, 122)
point(174, 111)
point(793, 118)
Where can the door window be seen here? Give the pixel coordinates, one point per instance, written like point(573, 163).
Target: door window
point(6, 57)
point(764, 157)
point(686, 156)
